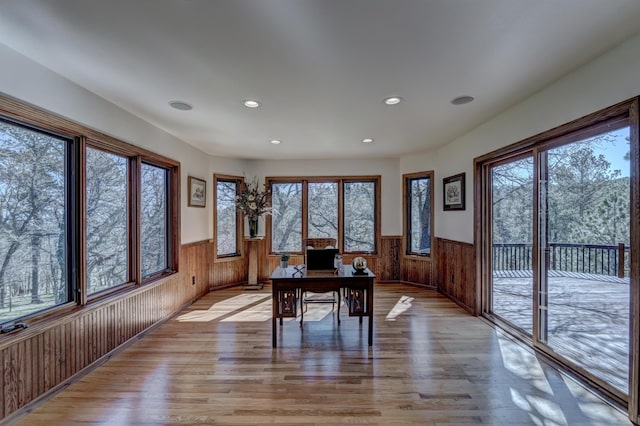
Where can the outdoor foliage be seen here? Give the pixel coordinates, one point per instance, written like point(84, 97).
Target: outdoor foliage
point(420, 215)
point(286, 224)
point(584, 203)
point(33, 254)
point(588, 201)
point(36, 226)
point(107, 239)
point(322, 214)
point(154, 219)
point(226, 217)
point(359, 216)
point(323, 210)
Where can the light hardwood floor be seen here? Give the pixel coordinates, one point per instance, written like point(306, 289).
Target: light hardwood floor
point(431, 363)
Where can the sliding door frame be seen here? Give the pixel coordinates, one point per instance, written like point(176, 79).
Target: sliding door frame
point(627, 111)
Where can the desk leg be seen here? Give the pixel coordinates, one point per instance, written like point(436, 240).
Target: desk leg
point(301, 303)
point(274, 314)
point(370, 306)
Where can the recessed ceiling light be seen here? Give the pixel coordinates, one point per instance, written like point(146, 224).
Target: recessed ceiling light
point(182, 106)
point(461, 100)
point(275, 141)
point(367, 140)
point(393, 100)
point(250, 103)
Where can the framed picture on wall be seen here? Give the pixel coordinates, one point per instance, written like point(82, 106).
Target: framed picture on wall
point(197, 189)
point(453, 192)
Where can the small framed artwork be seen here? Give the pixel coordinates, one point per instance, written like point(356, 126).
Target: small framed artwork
point(453, 192)
point(197, 192)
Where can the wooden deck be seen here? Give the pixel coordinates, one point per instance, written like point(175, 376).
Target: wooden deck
point(431, 364)
point(588, 318)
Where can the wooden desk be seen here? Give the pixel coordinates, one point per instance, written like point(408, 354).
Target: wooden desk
point(356, 290)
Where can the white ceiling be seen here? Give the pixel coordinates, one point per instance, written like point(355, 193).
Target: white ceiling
point(321, 68)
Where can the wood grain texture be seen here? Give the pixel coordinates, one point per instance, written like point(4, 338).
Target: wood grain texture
point(431, 364)
point(389, 266)
point(417, 270)
point(385, 266)
point(45, 356)
point(456, 273)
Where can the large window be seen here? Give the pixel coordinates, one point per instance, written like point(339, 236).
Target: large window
point(310, 208)
point(154, 219)
point(418, 194)
point(107, 225)
point(82, 215)
point(558, 231)
point(322, 212)
point(227, 217)
point(34, 231)
point(286, 223)
point(360, 216)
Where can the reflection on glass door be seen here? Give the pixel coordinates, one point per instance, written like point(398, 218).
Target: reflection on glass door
point(584, 241)
point(511, 238)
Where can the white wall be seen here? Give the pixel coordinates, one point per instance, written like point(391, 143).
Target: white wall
point(388, 169)
point(23, 79)
point(611, 78)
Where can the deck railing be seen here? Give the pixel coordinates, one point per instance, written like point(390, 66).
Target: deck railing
point(584, 258)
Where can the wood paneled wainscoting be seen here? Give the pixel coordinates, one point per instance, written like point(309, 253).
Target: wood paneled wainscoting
point(385, 265)
point(417, 270)
point(456, 273)
point(45, 356)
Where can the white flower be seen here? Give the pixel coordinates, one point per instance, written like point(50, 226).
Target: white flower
point(253, 206)
point(251, 197)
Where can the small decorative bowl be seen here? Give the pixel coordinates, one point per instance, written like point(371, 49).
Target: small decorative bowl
point(359, 264)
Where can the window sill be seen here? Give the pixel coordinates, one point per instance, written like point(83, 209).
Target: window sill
point(421, 257)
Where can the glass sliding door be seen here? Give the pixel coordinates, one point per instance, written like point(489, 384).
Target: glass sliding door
point(511, 203)
point(559, 228)
point(584, 252)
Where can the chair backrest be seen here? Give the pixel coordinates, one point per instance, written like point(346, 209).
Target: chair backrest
point(319, 243)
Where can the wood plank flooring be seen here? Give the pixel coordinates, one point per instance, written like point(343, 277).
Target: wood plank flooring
point(430, 364)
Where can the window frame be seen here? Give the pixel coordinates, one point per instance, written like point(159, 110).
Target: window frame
point(608, 118)
point(340, 180)
point(36, 119)
point(116, 287)
point(168, 225)
point(406, 209)
point(238, 180)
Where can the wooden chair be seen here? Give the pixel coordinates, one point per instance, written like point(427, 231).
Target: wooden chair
point(330, 297)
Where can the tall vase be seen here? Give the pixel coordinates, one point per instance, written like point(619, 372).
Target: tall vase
point(253, 227)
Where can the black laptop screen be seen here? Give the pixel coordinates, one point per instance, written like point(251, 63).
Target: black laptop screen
point(318, 260)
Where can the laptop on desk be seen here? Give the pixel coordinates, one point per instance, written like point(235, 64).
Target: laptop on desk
point(321, 259)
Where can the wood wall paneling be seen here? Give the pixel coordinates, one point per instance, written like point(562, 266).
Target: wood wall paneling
point(46, 356)
point(456, 272)
point(385, 265)
point(417, 270)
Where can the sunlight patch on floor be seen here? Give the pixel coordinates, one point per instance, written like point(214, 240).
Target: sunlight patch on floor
point(224, 307)
point(400, 307)
point(523, 364)
point(259, 313)
point(592, 406)
point(542, 410)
